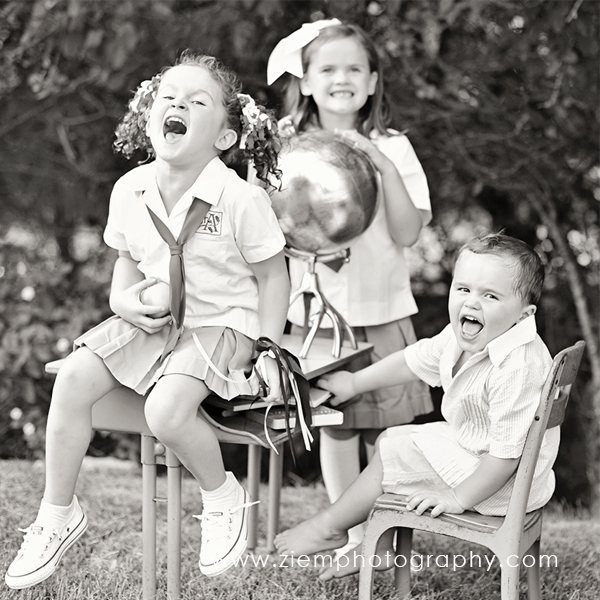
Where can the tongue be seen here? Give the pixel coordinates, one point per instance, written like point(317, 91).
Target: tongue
point(175, 127)
point(471, 328)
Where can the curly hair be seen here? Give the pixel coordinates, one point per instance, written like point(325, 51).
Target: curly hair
point(261, 147)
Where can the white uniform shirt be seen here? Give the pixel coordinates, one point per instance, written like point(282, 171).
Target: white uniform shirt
point(240, 228)
point(488, 405)
point(373, 288)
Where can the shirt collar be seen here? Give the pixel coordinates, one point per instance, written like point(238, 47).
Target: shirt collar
point(519, 334)
point(208, 186)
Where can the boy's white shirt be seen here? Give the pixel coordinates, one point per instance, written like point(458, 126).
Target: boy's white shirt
point(488, 405)
point(374, 286)
point(240, 228)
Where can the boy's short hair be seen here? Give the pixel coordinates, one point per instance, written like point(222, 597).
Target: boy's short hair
point(529, 273)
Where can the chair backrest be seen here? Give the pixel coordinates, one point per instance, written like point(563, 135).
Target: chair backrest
point(550, 413)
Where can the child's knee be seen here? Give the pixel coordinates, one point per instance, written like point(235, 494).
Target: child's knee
point(165, 419)
point(380, 437)
point(75, 379)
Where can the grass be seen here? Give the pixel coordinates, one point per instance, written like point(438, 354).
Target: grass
point(106, 563)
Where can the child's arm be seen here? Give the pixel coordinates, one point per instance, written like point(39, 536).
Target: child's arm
point(491, 474)
point(391, 370)
point(273, 300)
point(127, 284)
point(404, 220)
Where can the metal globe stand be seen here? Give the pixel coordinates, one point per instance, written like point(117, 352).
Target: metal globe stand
point(309, 288)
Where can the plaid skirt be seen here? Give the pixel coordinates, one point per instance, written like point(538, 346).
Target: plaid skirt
point(133, 356)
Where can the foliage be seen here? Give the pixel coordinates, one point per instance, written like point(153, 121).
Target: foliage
point(499, 98)
point(44, 306)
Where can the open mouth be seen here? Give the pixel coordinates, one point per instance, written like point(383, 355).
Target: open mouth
point(344, 94)
point(173, 127)
point(470, 326)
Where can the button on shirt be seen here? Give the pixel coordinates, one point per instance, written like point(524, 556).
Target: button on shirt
point(488, 406)
point(239, 229)
point(374, 286)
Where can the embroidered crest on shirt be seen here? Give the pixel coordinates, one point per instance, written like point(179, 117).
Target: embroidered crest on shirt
point(211, 224)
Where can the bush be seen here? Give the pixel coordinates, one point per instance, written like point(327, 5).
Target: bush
point(45, 303)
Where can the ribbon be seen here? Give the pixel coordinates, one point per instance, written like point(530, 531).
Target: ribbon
point(193, 220)
point(286, 57)
point(292, 384)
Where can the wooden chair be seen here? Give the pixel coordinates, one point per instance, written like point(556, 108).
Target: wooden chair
point(122, 410)
point(510, 537)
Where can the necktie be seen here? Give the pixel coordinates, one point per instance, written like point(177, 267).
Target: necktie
point(193, 220)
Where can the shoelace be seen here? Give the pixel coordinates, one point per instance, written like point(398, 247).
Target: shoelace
point(214, 520)
point(36, 540)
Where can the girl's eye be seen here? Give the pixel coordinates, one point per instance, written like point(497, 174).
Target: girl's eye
point(198, 102)
point(492, 296)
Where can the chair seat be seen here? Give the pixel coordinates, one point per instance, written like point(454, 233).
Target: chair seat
point(470, 519)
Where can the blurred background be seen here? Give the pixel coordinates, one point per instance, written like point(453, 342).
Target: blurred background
point(498, 97)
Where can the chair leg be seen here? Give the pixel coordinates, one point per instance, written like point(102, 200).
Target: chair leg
point(373, 532)
point(275, 481)
point(402, 566)
point(148, 518)
point(173, 526)
point(510, 579)
point(254, 455)
point(534, 590)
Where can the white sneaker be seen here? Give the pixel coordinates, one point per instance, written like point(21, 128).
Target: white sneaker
point(42, 549)
point(224, 536)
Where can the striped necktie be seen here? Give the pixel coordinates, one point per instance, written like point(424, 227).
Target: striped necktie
point(193, 220)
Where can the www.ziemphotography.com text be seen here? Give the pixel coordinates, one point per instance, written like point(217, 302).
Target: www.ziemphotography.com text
point(417, 561)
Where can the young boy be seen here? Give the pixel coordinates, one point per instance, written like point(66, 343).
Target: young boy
point(491, 364)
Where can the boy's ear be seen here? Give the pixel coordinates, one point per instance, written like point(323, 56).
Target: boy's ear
point(373, 82)
point(227, 139)
point(528, 310)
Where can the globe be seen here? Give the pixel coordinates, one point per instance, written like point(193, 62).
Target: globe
point(328, 193)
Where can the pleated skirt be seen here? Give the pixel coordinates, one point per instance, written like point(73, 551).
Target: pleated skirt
point(133, 356)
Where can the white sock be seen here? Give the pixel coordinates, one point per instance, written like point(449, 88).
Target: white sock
point(54, 516)
point(340, 466)
point(225, 496)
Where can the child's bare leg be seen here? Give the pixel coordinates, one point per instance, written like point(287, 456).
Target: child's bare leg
point(172, 415)
point(81, 382)
point(340, 466)
point(328, 530)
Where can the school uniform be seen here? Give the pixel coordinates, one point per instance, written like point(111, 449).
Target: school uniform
point(240, 228)
point(488, 407)
point(372, 292)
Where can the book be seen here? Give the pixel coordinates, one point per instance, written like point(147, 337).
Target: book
point(317, 397)
point(321, 416)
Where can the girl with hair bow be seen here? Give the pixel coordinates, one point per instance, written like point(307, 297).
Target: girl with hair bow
point(335, 82)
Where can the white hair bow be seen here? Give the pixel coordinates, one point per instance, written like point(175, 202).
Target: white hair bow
point(286, 57)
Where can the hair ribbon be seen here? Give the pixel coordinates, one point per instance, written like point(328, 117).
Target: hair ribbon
point(286, 57)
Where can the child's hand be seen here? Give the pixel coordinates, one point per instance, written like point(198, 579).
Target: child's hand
point(157, 294)
point(340, 384)
point(269, 371)
point(360, 142)
point(439, 497)
point(128, 305)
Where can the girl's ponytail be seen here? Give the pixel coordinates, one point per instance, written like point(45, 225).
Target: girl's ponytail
point(259, 140)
